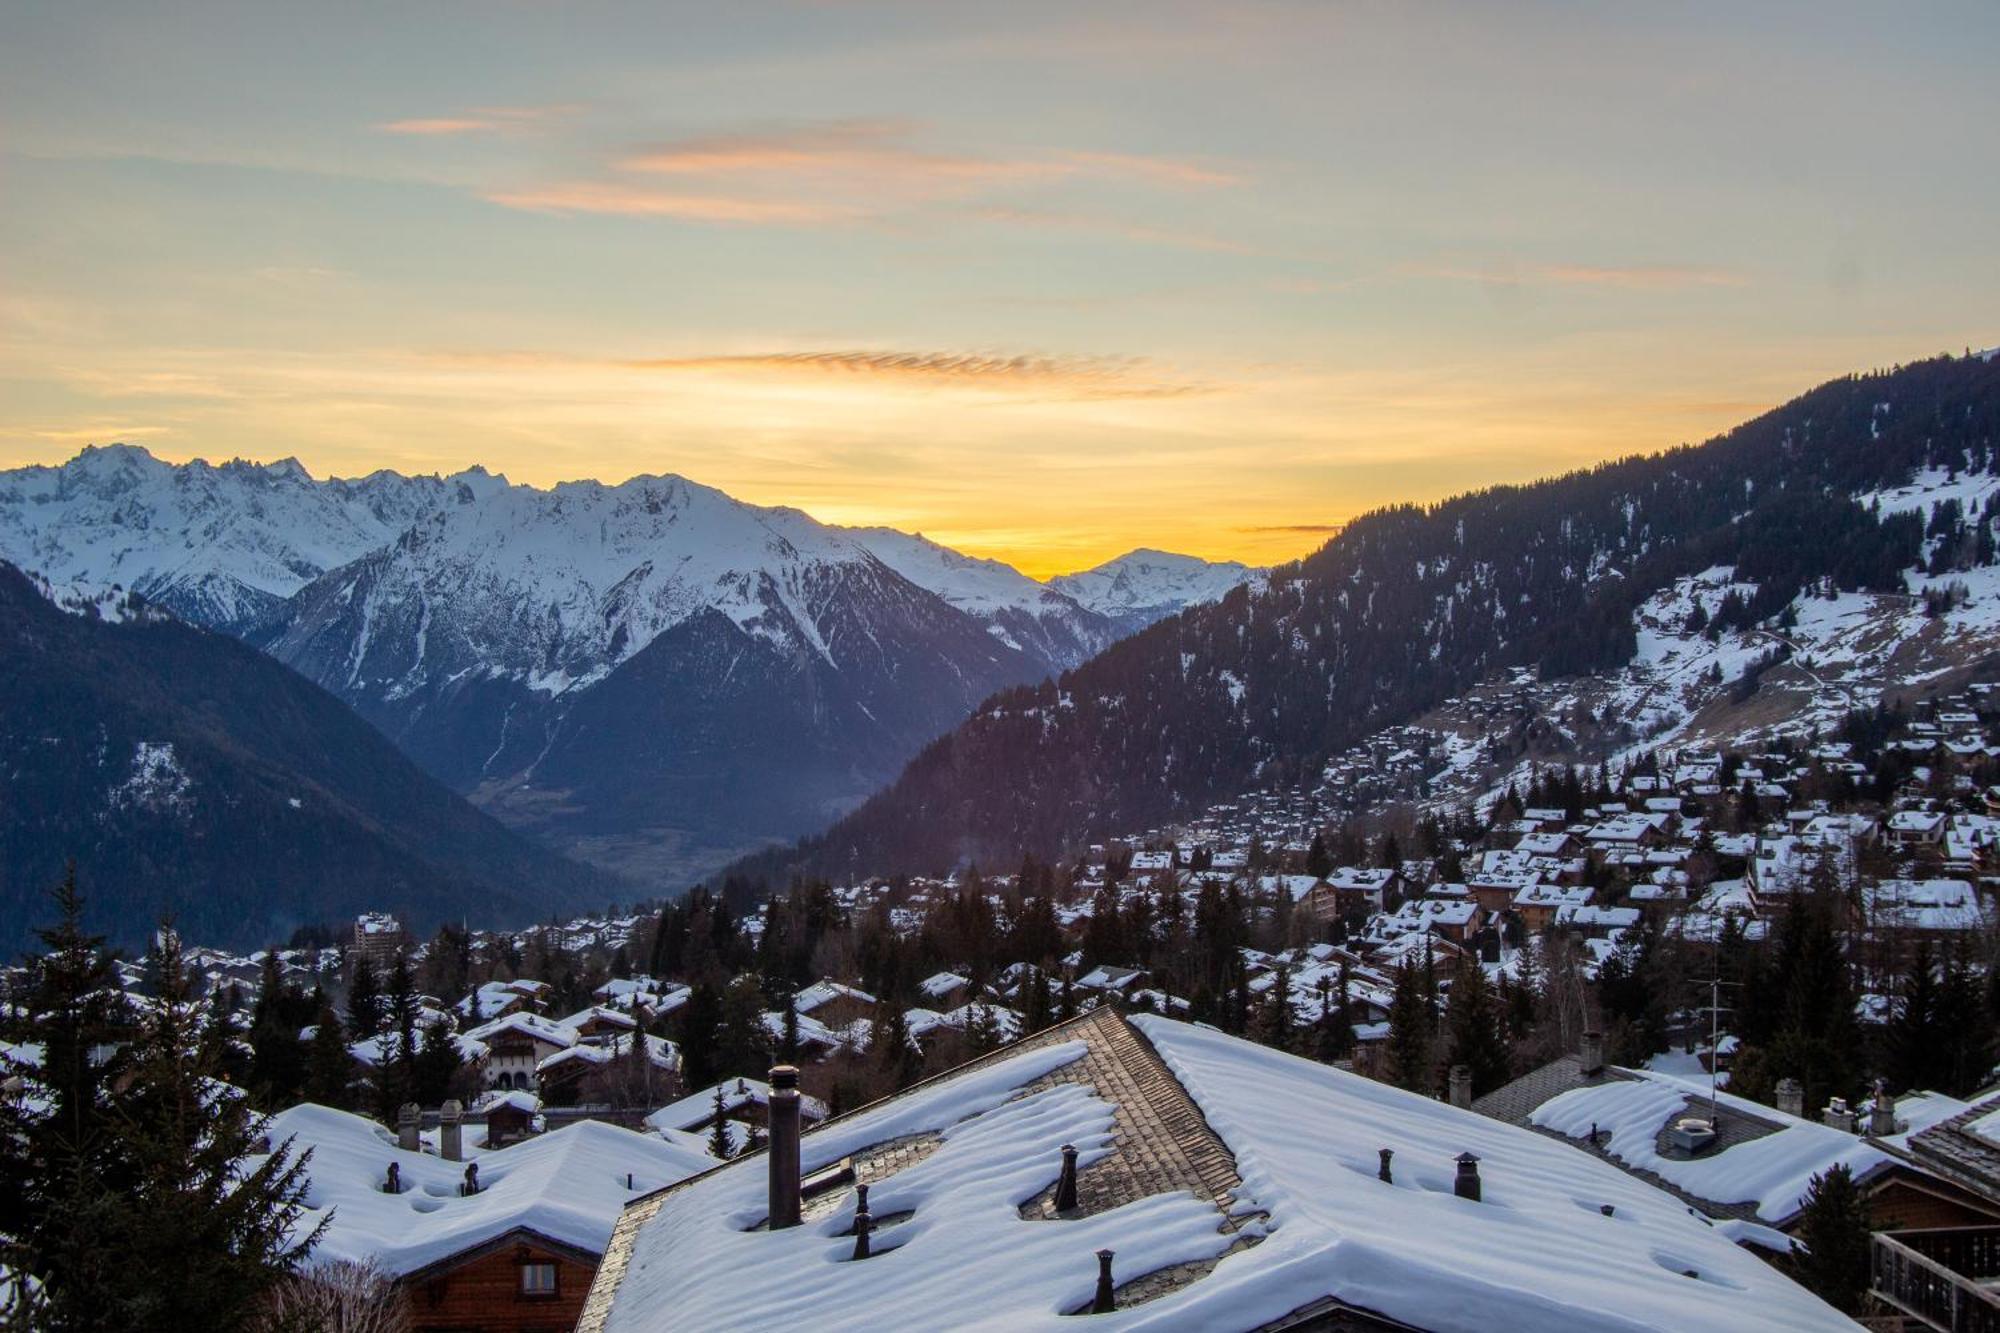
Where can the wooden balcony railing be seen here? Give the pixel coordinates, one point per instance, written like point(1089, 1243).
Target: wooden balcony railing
point(1936, 1276)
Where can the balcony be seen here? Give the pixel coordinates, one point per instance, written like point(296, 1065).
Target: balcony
point(1944, 1277)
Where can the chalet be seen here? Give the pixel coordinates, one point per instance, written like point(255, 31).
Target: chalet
point(597, 1023)
point(1917, 828)
point(945, 988)
point(1558, 844)
point(1908, 910)
point(745, 1101)
point(505, 1241)
point(834, 1005)
point(510, 1117)
point(1110, 977)
point(1095, 1167)
point(516, 1044)
point(1495, 890)
point(1538, 904)
point(1352, 889)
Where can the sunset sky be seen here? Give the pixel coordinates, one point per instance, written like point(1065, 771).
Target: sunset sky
point(1045, 282)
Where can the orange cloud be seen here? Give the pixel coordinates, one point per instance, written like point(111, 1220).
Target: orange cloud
point(479, 120)
point(843, 172)
point(623, 200)
point(439, 125)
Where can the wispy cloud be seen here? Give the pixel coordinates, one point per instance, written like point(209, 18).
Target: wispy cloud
point(622, 199)
point(1642, 277)
point(480, 120)
point(1069, 377)
point(1301, 528)
point(842, 172)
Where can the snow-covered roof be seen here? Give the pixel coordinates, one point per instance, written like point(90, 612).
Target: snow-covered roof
point(545, 1030)
point(698, 1107)
point(568, 1185)
point(825, 992)
point(942, 983)
point(1771, 1172)
point(1538, 1252)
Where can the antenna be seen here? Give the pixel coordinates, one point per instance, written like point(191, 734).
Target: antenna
point(1715, 1012)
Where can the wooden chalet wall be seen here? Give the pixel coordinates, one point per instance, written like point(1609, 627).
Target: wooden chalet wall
point(480, 1291)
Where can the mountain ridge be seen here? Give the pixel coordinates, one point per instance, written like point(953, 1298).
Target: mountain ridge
point(470, 620)
point(1410, 605)
point(185, 772)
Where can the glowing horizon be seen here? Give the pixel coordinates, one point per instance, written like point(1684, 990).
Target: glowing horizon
point(1045, 285)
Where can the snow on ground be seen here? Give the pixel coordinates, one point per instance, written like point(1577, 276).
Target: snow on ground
point(157, 781)
point(1773, 1172)
point(569, 1185)
point(1929, 488)
point(1537, 1252)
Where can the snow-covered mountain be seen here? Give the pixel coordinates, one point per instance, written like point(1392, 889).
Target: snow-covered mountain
point(217, 545)
point(652, 675)
point(1144, 586)
point(1023, 614)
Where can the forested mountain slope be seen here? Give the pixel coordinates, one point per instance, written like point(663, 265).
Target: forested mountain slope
point(185, 772)
point(1409, 605)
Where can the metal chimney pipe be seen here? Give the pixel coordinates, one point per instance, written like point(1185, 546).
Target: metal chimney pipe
point(1103, 1303)
point(863, 1223)
point(1466, 1186)
point(1382, 1171)
point(783, 1151)
point(1066, 1182)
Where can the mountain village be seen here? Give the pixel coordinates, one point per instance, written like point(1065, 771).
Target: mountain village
point(499, 1124)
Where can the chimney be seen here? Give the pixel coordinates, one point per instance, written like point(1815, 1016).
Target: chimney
point(1591, 1054)
point(1461, 1087)
point(1382, 1171)
point(406, 1128)
point(471, 1185)
point(451, 1131)
point(1791, 1096)
point(1882, 1111)
point(1466, 1186)
point(1103, 1303)
point(864, 1222)
point(1838, 1115)
point(394, 1183)
point(783, 1151)
point(1066, 1182)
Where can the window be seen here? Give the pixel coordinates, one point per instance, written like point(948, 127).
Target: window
point(538, 1279)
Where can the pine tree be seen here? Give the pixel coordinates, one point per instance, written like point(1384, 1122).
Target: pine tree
point(718, 1133)
point(1832, 1240)
point(277, 1056)
point(207, 1206)
point(1472, 1029)
point(364, 1002)
point(1274, 1019)
point(895, 1054)
point(436, 1065)
point(329, 1068)
point(1412, 1023)
point(63, 1168)
point(1915, 1044)
point(1034, 1001)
